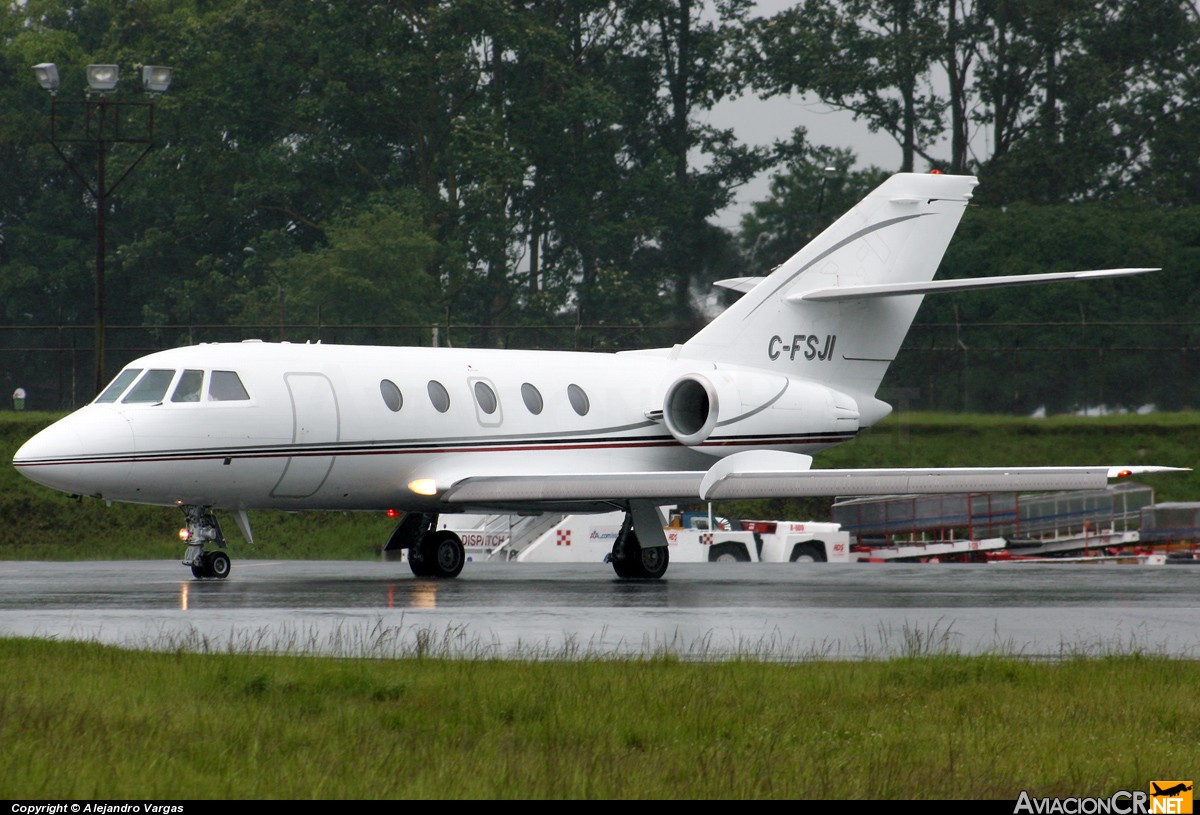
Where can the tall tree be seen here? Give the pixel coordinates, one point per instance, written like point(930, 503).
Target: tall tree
point(873, 58)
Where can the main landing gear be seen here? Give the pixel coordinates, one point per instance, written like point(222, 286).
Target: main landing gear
point(431, 552)
point(203, 528)
point(630, 558)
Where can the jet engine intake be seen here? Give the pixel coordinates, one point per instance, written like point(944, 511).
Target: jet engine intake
point(690, 409)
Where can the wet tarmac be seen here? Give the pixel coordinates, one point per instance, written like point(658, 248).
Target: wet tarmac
point(544, 611)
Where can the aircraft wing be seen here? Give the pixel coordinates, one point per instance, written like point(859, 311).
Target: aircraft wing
point(765, 474)
point(722, 483)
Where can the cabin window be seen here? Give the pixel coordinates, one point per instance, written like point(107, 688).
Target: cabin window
point(579, 399)
point(226, 386)
point(532, 397)
point(113, 392)
point(486, 397)
point(391, 395)
point(439, 396)
point(151, 388)
point(189, 387)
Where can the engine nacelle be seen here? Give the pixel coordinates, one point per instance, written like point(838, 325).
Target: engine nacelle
point(690, 409)
point(752, 408)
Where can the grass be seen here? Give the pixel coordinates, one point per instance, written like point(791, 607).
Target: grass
point(86, 721)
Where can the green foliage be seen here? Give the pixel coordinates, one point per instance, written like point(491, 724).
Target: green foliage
point(377, 264)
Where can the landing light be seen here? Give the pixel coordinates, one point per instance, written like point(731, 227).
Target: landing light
point(184, 535)
point(423, 486)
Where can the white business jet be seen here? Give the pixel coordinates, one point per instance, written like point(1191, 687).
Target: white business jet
point(737, 411)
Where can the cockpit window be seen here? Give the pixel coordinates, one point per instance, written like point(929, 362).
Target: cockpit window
point(151, 388)
point(188, 389)
point(113, 392)
point(226, 386)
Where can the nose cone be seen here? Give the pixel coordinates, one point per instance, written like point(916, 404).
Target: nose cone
point(86, 453)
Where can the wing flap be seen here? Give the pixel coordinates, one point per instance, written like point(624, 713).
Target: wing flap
point(574, 487)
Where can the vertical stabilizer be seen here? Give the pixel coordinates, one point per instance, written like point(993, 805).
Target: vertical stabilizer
point(897, 234)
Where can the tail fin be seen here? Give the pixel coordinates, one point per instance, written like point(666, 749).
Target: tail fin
point(896, 235)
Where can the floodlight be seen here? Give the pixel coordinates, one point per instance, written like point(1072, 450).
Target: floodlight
point(102, 77)
point(156, 78)
point(47, 75)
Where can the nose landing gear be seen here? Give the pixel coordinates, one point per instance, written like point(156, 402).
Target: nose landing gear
point(202, 528)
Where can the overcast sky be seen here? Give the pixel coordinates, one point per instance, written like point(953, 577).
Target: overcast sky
point(761, 121)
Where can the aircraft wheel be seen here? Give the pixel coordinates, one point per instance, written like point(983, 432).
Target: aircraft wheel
point(621, 567)
point(418, 565)
point(808, 553)
point(446, 554)
point(623, 554)
point(638, 562)
point(219, 565)
point(198, 571)
point(653, 562)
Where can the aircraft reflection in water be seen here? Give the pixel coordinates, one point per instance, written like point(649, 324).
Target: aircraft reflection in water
point(736, 411)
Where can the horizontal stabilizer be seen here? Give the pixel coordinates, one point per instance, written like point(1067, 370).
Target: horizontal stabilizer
point(939, 286)
point(731, 478)
point(742, 284)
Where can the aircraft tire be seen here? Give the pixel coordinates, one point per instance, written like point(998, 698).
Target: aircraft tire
point(621, 567)
point(418, 564)
point(638, 562)
point(444, 552)
point(198, 571)
point(624, 551)
point(654, 562)
point(218, 565)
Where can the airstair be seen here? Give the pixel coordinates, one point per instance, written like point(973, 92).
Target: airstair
point(522, 531)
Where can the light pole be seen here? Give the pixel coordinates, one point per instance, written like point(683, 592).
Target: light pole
point(102, 126)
